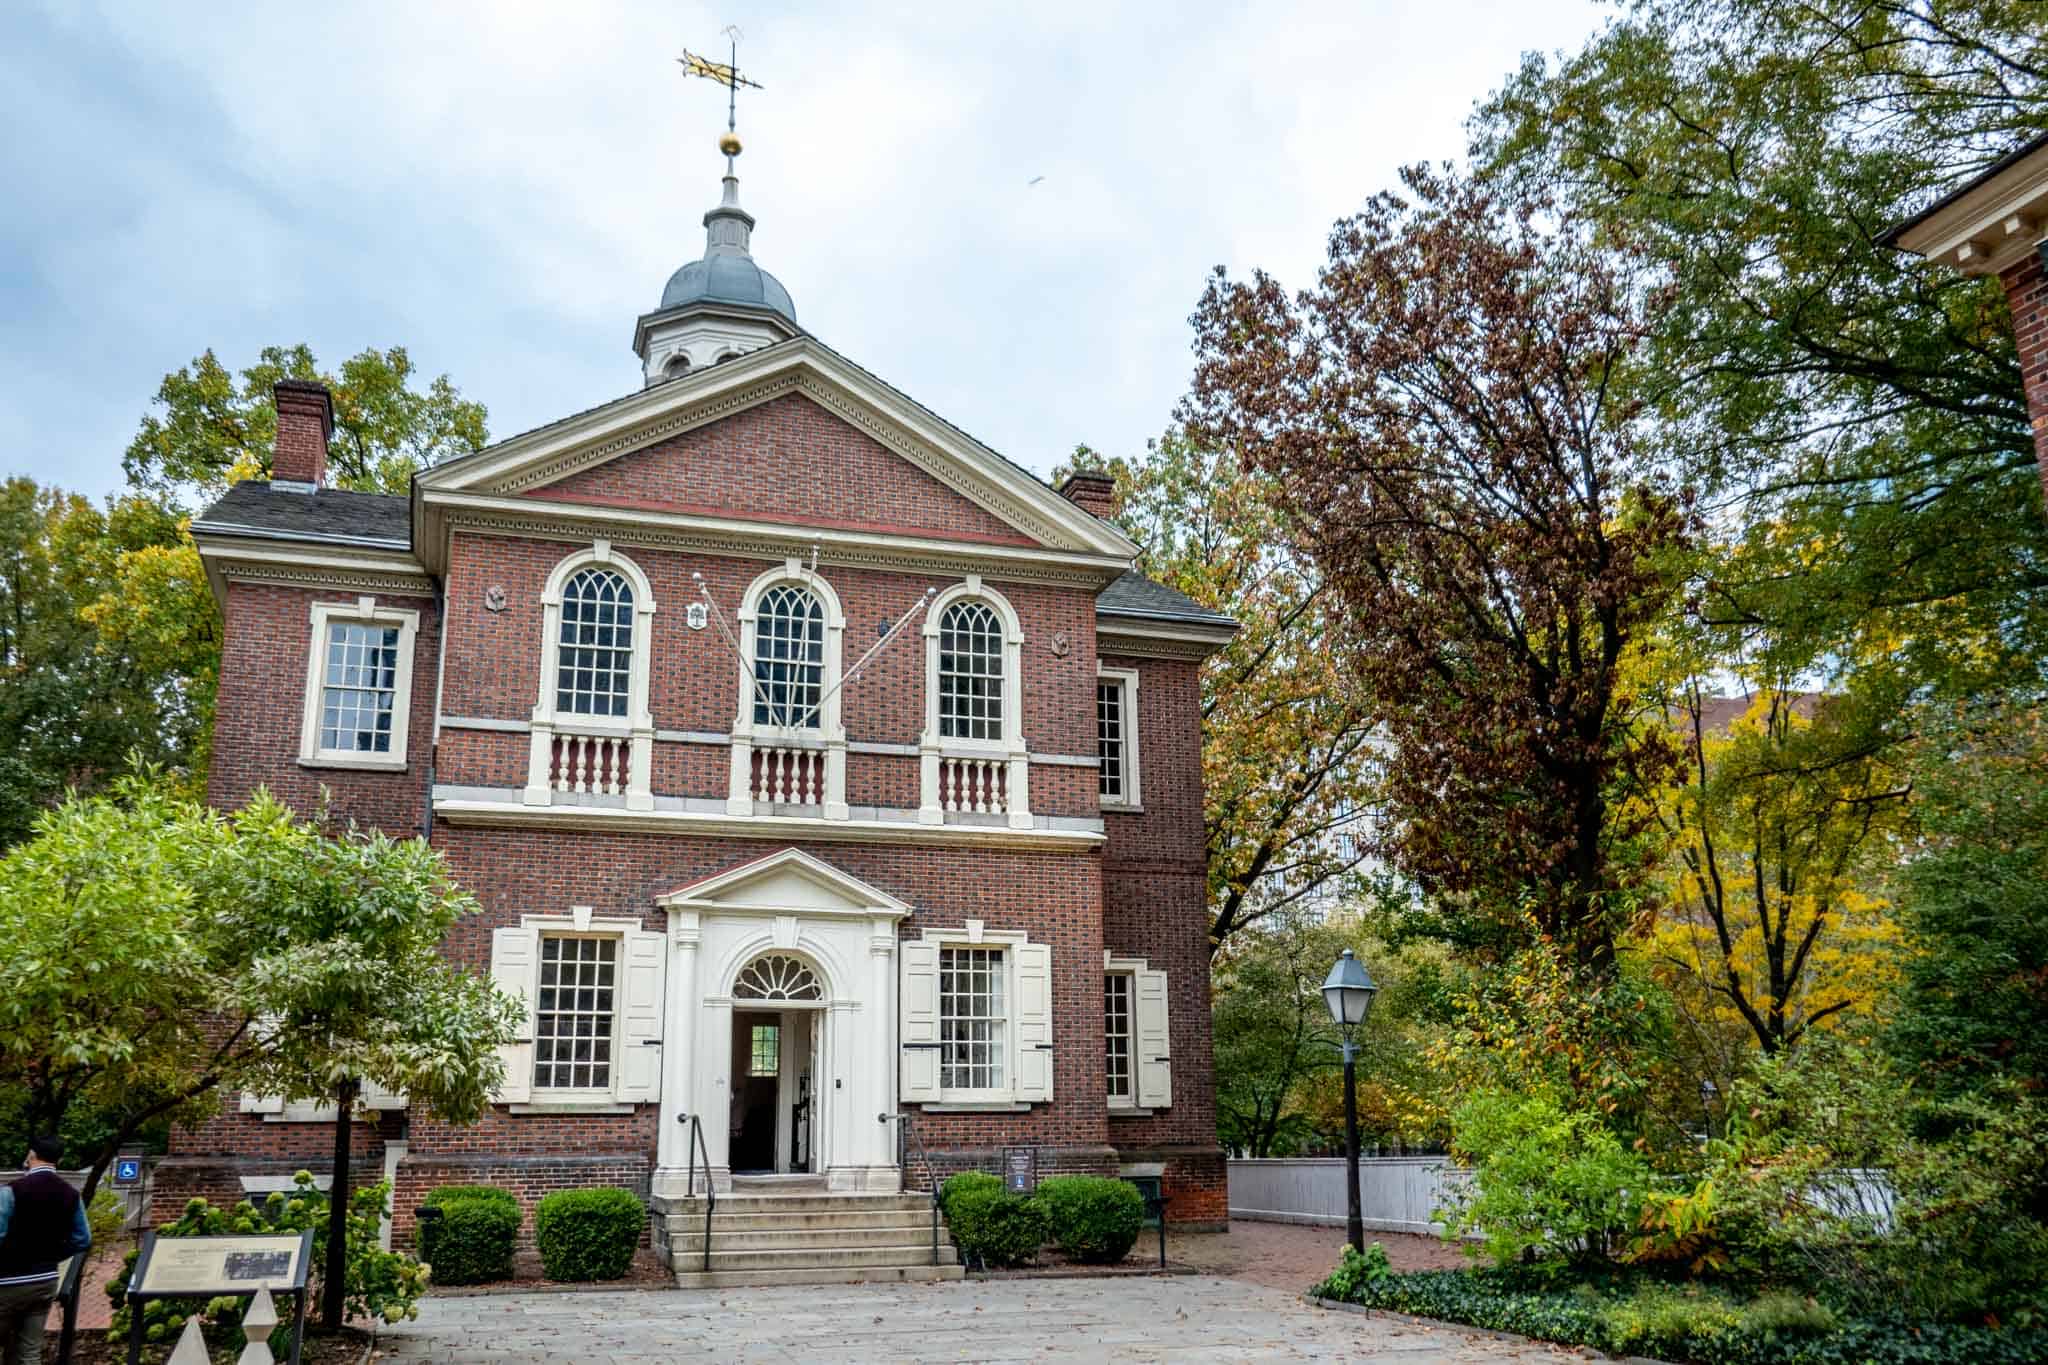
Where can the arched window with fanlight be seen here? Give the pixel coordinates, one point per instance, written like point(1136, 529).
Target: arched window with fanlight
point(594, 653)
point(970, 672)
point(789, 658)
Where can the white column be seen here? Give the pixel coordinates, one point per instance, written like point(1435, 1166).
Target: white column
point(882, 1058)
point(678, 1056)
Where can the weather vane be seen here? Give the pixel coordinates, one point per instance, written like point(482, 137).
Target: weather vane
point(728, 75)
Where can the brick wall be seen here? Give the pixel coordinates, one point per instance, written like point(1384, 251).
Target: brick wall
point(2026, 290)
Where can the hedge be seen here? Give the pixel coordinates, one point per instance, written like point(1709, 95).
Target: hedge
point(989, 1224)
point(588, 1234)
point(1095, 1219)
point(467, 1232)
point(1700, 1327)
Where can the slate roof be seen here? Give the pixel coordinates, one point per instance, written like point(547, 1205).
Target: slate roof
point(1135, 595)
point(334, 515)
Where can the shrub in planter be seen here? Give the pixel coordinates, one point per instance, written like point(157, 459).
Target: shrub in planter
point(466, 1233)
point(993, 1226)
point(588, 1234)
point(1094, 1219)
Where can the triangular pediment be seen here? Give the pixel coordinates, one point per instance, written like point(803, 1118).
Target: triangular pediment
point(683, 447)
point(785, 883)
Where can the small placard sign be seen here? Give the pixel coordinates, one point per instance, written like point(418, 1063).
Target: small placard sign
point(127, 1170)
point(1020, 1169)
point(179, 1266)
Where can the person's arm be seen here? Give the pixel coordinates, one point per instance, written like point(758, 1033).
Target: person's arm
point(80, 1240)
point(6, 1209)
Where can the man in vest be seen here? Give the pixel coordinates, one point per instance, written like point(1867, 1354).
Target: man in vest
point(42, 1221)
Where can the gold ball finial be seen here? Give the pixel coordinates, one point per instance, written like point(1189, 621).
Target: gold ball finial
point(729, 144)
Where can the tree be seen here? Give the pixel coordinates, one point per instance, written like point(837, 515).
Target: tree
point(215, 430)
point(85, 690)
point(1442, 417)
point(1289, 759)
point(1772, 918)
point(1855, 416)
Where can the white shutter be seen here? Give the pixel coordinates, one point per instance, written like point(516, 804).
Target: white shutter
point(638, 1071)
point(1152, 1042)
point(1033, 982)
point(513, 951)
point(253, 1103)
point(920, 1022)
point(376, 1096)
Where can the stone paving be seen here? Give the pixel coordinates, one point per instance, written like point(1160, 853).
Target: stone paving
point(1178, 1318)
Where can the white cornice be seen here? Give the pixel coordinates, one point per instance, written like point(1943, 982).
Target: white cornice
point(230, 559)
point(801, 365)
point(512, 814)
point(1157, 640)
point(496, 514)
point(1989, 226)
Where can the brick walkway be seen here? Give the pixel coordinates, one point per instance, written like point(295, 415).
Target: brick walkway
point(1290, 1256)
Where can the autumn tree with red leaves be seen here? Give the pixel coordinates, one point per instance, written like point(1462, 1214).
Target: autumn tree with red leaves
point(1445, 414)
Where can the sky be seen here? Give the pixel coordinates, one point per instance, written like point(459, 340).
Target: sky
point(503, 188)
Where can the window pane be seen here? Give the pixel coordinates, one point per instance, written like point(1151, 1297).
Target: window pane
point(573, 1016)
point(1116, 1033)
point(971, 1018)
point(766, 1050)
point(1109, 734)
point(970, 673)
point(361, 688)
point(789, 658)
point(594, 668)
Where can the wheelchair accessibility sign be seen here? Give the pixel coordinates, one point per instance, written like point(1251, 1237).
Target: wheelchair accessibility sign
point(127, 1170)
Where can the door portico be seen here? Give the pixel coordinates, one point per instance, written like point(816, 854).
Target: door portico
point(735, 941)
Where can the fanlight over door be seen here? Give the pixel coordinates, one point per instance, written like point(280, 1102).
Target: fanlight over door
point(778, 977)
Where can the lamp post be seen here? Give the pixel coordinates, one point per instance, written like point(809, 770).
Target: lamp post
point(1348, 992)
point(1708, 1090)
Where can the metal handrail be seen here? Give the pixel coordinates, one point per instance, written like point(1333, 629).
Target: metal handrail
point(695, 1145)
point(931, 1180)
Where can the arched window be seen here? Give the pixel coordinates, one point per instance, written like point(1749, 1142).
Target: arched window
point(777, 976)
point(789, 658)
point(970, 672)
point(594, 664)
point(677, 367)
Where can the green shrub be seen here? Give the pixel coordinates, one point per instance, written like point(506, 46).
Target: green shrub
point(991, 1225)
point(1666, 1320)
point(467, 1232)
point(1790, 1314)
point(967, 1182)
point(588, 1234)
point(379, 1285)
point(1549, 1185)
point(1094, 1219)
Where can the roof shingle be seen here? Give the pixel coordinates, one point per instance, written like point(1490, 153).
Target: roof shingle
point(255, 508)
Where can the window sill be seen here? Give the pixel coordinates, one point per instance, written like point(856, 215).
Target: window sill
point(565, 1107)
point(1122, 808)
point(978, 1107)
point(378, 765)
point(1128, 1111)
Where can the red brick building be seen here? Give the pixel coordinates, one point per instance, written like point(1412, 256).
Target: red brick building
point(816, 768)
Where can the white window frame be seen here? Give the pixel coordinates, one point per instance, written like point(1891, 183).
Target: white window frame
point(1151, 1037)
point(639, 988)
point(1126, 680)
point(1009, 749)
point(637, 725)
point(830, 732)
point(1027, 1023)
point(1129, 1099)
point(363, 611)
point(580, 1094)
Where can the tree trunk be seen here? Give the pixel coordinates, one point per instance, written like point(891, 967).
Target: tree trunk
point(334, 1275)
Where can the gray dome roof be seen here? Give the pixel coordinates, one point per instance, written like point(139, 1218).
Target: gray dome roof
point(727, 278)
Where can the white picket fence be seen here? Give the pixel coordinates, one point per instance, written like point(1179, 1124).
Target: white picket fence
point(1395, 1193)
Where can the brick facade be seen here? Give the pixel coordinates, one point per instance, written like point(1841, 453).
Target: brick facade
point(2026, 292)
point(1140, 894)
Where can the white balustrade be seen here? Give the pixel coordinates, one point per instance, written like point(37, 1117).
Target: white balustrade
point(788, 776)
point(973, 786)
point(590, 763)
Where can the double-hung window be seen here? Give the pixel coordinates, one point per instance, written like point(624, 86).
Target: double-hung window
point(970, 673)
point(358, 685)
point(575, 1018)
point(592, 989)
point(1137, 1037)
point(1116, 735)
point(976, 1018)
point(594, 658)
point(789, 658)
point(1119, 1073)
point(973, 1018)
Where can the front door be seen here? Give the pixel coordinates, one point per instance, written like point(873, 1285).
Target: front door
point(757, 1038)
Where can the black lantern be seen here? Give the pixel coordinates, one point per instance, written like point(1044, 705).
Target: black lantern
point(1348, 992)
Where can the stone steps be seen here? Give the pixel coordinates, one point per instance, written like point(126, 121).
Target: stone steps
point(802, 1237)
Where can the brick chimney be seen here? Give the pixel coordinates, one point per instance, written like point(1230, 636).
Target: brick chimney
point(1091, 492)
point(305, 422)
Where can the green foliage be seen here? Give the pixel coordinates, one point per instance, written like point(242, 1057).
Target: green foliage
point(1356, 1273)
point(1094, 1219)
point(105, 1216)
point(1550, 1186)
point(467, 1233)
point(588, 1234)
point(213, 429)
point(383, 1286)
point(991, 1225)
point(1679, 1323)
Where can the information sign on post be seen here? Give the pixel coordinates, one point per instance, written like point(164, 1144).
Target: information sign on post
point(1020, 1169)
point(127, 1170)
point(207, 1267)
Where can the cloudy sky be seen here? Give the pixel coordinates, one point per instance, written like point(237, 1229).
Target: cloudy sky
point(503, 187)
